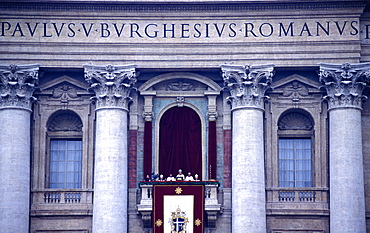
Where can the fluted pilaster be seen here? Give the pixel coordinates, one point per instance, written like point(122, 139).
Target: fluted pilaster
point(344, 84)
point(112, 86)
point(247, 86)
point(17, 84)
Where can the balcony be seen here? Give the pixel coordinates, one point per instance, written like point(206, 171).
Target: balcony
point(61, 202)
point(211, 204)
point(307, 201)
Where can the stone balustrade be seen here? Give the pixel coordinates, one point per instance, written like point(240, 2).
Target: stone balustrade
point(303, 200)
point(70, 201)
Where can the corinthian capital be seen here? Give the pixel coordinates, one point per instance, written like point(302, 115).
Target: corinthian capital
point(247, 84)
point(344, 83)
point(18, 82)
point(112, 84)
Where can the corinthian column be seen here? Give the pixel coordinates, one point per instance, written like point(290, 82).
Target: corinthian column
point(344, 85)
point(16, 88)
point(112, 86)
point(247, 86)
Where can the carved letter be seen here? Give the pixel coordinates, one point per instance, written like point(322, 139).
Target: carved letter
point(271, 30)
point(134, 30)
point(340, 30)
point(3, 27)
point(87, 33)
point(71, 30)
point(155, 32)
point(183, 29)
point(45, 31)
point(318, 25)
point(290, 28)
point(305, 29)
point(104, 30)
point(354, 28)
point(218, 30)
point(18, 29)
point(56, 29)
point(231, 25)
point(165, 30)
point(251, 30)
point(120, 31)
point(32, 32)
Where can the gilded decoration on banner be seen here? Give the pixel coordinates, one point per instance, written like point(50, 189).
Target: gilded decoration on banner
point(178, 190)
point(178, 221)
point(158, 223)
point(197, 222)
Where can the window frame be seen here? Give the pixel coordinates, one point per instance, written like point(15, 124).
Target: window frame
point(65, 161)
point(62, 135)
point(295, 137)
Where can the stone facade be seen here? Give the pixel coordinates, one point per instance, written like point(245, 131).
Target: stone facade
point(257, 73)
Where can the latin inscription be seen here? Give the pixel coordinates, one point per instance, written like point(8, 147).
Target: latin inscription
point(136, 31)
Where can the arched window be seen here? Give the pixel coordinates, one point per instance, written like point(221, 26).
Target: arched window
point(65, 149)
point(180, 142)
point(295, 149)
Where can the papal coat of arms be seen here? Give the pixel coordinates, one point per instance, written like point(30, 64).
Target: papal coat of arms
point(178, 221)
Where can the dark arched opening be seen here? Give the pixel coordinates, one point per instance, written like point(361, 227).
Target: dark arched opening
point(180, 144)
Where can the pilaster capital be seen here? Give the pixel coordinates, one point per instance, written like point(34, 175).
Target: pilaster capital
point(247, 84)
point(212, 115)
point(112, 84)
point(344, 83)
point(17, 84)
point(148, 116)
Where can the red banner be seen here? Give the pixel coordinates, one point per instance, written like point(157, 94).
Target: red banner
point(178, 208)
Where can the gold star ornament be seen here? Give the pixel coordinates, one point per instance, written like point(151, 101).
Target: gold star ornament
point(197, 222)
point(178, 190)
point(158, 223)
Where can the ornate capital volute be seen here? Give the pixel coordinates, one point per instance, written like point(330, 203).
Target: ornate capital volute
point(112, 84)
point(18, 82)
point(247, 84)
point(344, 83)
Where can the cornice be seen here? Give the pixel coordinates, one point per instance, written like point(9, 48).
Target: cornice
point(178, 6)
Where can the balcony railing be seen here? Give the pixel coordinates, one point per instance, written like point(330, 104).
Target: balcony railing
point(48, 201)
point(297, 194)
point(309, 200)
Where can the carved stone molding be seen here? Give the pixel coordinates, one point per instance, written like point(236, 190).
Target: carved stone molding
point(194, 7)
point(295, 121)
point(212, 115)
point(344, 83)
point(112, 84)
point(180, 101)
point(181, 86)
point(247, 84)
point(148, 116)
point(64, 92)
point(18, 82)
point(65, 122)
point(295, 90)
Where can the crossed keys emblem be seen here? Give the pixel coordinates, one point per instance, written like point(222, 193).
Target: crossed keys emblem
point(178, 221)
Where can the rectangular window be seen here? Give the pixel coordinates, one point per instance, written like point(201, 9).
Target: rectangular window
point(295, 162)
point(65, 163)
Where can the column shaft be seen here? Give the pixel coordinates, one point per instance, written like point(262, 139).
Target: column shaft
point(14, 170)
point(347, 199)
point(110, 177)
point(248, 180)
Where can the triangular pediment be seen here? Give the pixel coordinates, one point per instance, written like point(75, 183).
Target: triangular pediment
point(296, 81)
point(64, 81)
